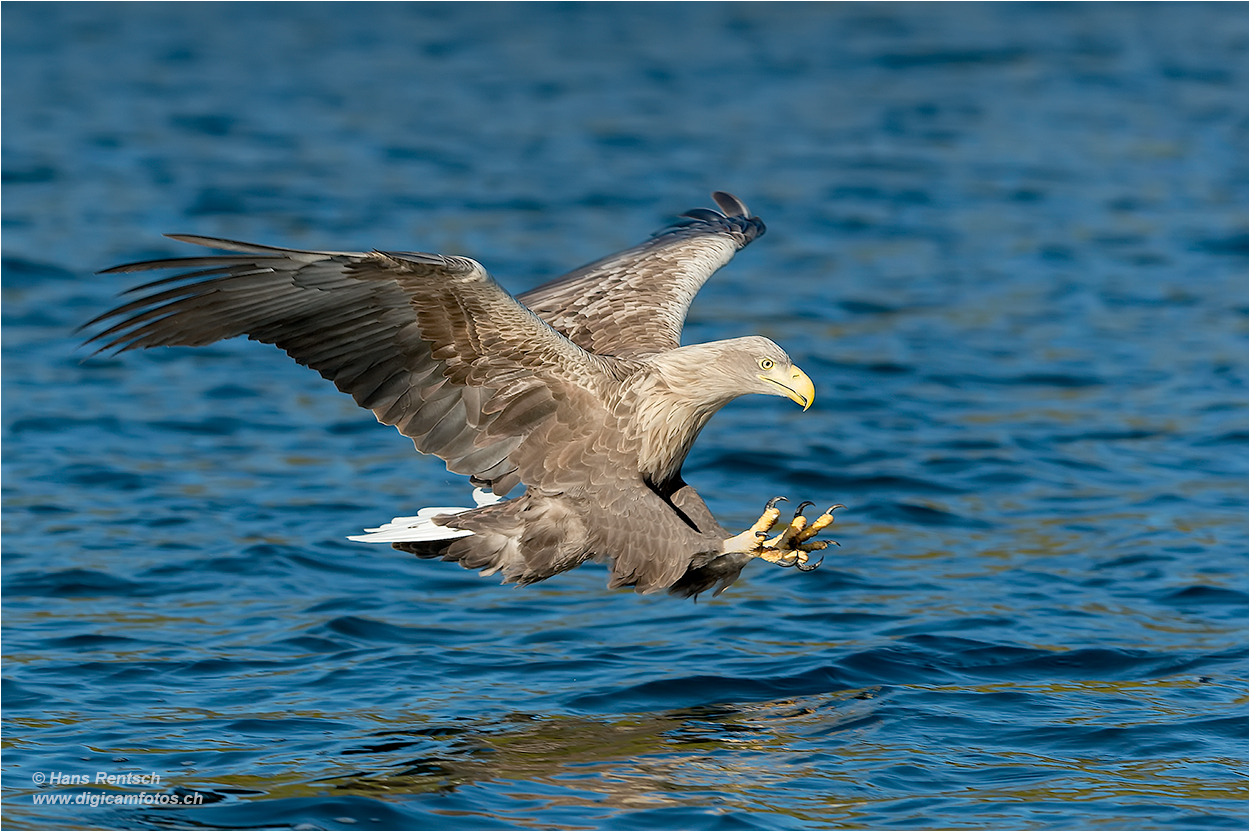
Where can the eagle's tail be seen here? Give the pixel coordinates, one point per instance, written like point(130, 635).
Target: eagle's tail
point(421, 528)
point(526, 539)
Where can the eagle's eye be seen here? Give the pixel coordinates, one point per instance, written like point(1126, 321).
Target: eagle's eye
point(766, 363)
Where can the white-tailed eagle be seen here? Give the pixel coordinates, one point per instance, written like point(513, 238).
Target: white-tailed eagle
point(579, 390)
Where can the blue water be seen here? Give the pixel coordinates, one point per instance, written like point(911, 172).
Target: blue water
point(1007, 242)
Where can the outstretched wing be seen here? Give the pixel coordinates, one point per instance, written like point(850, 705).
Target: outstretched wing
point(431, 344)
point(635, 302)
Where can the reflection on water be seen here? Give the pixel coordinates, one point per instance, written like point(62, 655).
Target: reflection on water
point(1007, 241)
point(812, 760)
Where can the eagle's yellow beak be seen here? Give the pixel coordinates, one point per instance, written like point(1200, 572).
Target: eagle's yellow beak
point(794, 385)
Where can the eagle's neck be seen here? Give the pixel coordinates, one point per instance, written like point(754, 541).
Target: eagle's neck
point(672, 400)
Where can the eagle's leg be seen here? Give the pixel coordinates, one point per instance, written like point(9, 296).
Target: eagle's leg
point(792, 546)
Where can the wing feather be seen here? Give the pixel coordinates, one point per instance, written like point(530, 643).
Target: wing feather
point(432, 344)
point(634, 302)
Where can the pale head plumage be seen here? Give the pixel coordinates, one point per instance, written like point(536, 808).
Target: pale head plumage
point(687, 385)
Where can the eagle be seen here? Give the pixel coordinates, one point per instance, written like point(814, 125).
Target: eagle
point(580, 390)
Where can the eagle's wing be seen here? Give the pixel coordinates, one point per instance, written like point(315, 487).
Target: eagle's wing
point(634, 302)
point(431, 344)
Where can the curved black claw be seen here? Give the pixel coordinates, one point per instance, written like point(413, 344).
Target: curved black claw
point(773, 502)
point(811, 567)
point(799, 511)
point(834, 506)
point(786, 563)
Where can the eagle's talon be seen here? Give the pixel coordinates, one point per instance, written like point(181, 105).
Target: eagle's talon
point(793, 546)
point(811, 567)
point(818, 525)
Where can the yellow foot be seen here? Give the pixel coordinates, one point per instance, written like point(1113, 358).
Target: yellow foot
point(793, 545)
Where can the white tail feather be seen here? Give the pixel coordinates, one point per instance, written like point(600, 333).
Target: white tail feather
point(421, 526)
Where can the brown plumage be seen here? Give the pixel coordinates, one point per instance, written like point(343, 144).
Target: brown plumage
point(577, 389)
